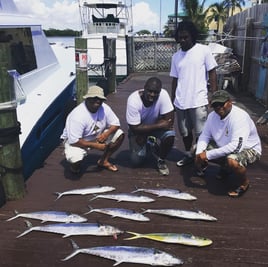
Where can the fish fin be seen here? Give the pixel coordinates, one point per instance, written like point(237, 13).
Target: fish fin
point(143, 210)
point(66, 235)
point(58, 195)
point(135, 235)
point(117, 263)
point(28, 223)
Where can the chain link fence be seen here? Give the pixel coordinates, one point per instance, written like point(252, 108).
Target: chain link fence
point(153, 54)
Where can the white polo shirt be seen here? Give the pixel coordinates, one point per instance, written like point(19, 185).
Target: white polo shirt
point(81, 123)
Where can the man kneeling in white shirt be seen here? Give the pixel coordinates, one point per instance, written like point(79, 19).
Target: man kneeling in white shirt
point(230, 139)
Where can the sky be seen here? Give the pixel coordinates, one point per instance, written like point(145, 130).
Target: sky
point(151, 15)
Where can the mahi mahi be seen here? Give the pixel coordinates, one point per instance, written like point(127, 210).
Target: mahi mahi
point(51, 216)
point(71, 229)
point(125, 197)
point(121, 213)
point(86, 191)
point(184, 214)
point(183, 239)
point(130, 254)
point(172, 193)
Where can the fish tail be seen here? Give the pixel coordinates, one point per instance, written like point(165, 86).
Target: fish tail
point(25, 232)
point(136, 190)
point(76, 250)
point(95, 196)
point(58, 195)
point(90, 210)
point(135, 236)
point(14, 217)
point(29, 225)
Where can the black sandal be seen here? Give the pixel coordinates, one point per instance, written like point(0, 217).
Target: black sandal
point(238, 192)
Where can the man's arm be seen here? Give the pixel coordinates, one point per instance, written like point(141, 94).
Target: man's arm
point(173, 88)
point(212, 75)
point(165, 122)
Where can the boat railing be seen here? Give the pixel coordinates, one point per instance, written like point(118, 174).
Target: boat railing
point(103, 27)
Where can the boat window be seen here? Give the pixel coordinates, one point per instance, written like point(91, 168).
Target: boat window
point(22, 57)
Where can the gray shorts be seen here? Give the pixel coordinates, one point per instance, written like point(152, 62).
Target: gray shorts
point(191, 119)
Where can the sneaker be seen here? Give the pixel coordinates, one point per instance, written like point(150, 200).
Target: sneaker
point(185, 161)
point(162, 167)
point(201, 172)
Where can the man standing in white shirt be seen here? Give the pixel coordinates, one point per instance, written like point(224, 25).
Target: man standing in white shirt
point(192, 67)
point(230, 139)
point(92, 125)
point(150, 118)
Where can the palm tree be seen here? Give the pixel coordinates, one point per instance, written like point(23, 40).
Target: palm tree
point(217, 12)
point(233, 4)
point(197, 14)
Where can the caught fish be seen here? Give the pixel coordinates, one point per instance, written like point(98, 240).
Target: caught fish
point(183, 239)
point(51, 216)
point(172, 193)
point(125, 197)
point(121, 254)
point(184, 214)
point(121, 213)
point(86, 191)
point(71, 229)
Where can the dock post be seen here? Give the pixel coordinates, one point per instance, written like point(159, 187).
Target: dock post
point(110, 63)
point(12, 180)
point(81, 62)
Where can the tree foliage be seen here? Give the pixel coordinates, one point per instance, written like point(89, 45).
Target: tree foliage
point(67, 32)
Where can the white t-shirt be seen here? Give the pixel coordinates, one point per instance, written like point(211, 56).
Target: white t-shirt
point(137, 113)
point(234, 133)
point(81, 123)
point(190, 68)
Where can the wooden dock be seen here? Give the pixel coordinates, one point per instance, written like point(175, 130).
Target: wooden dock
point(240, 236)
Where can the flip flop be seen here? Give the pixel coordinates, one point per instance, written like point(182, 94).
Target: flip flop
point(238, 192)
point(110, 167)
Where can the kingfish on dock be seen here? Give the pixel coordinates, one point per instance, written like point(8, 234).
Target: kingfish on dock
point(183, 239)
point(172, 193)
point(125, 197)
point(184, 214)
point(71, 229)
point(130, 254)
point(86, 191)
point(121, 213)
point(51, 216)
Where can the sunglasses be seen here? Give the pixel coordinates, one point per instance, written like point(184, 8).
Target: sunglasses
point(219, 104)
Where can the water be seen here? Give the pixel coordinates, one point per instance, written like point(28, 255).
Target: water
point(67, 41)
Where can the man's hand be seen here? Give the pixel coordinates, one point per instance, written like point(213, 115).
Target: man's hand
point(201, 160)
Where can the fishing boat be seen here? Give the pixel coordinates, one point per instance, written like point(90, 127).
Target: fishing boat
point(103, 19)
point(44, 77)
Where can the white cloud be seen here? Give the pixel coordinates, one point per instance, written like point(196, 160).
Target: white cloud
point(144, 18)
point(64, 14)
point(61, 15)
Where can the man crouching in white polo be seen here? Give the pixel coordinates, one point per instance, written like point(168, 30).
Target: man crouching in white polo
point(92, 125)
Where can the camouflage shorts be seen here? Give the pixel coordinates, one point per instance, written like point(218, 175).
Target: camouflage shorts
point(245, 157)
